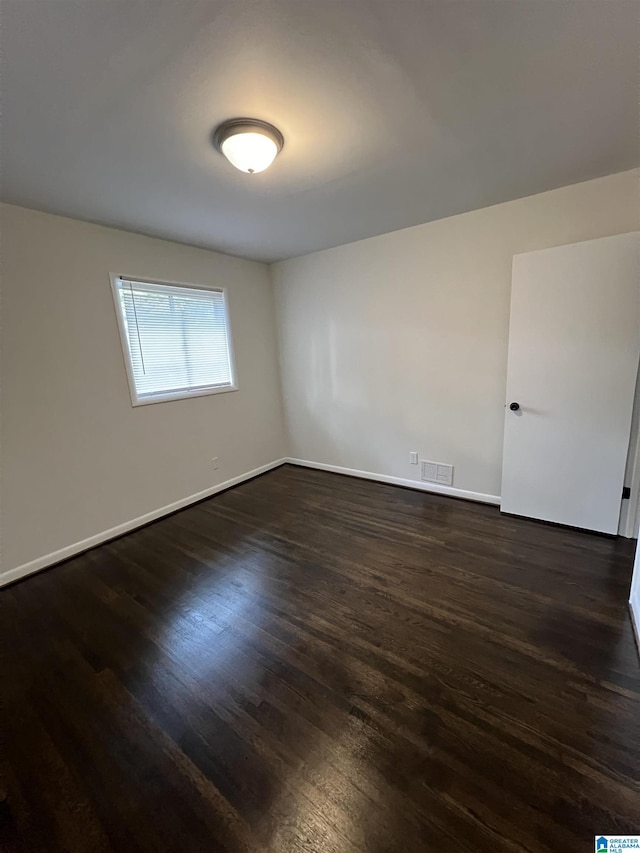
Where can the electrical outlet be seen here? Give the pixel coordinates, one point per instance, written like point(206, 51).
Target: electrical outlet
point(215, 463)
point(413, 457)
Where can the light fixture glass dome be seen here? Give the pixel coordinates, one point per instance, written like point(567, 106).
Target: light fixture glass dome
point(250, 152)
point(250, 145)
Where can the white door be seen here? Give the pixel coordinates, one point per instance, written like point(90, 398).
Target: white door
point(574, 345)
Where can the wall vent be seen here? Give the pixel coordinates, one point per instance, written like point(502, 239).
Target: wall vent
point(436, 472)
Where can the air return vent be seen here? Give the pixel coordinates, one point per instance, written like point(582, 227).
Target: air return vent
point(436, 472)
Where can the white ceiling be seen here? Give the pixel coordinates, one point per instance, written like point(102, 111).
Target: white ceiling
point(394, 112)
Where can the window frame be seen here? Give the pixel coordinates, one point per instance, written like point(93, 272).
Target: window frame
point(181, 394)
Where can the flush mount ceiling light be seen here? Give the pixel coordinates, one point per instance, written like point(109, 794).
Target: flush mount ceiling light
point(249, 144)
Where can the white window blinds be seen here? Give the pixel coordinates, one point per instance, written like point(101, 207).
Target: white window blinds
point(176, 340)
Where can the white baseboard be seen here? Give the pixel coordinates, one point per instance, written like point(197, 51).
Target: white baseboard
point(84, 545)
point(634, 610)
point(420, 485)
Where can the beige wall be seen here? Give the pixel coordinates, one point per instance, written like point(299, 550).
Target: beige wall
point(399, 342)
point(77, 458)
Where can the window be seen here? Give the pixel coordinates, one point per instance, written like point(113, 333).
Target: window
point(176, 340)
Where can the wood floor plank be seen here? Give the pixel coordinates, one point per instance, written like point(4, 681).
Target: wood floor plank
point(310, 662)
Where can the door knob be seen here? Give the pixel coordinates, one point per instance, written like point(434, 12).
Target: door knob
point(514, 406)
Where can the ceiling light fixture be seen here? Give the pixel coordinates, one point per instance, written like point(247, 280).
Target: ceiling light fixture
point(249, 144)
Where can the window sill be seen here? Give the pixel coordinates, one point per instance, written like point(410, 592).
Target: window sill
point(182, 395)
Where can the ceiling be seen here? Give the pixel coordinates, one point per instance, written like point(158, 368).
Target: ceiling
point(394, 112)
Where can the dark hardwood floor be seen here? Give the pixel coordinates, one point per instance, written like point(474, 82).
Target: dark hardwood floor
point(310, 662)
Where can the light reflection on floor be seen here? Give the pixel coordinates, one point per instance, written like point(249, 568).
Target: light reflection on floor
point(197, 635)
point(326, 798)
point(209, 637)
